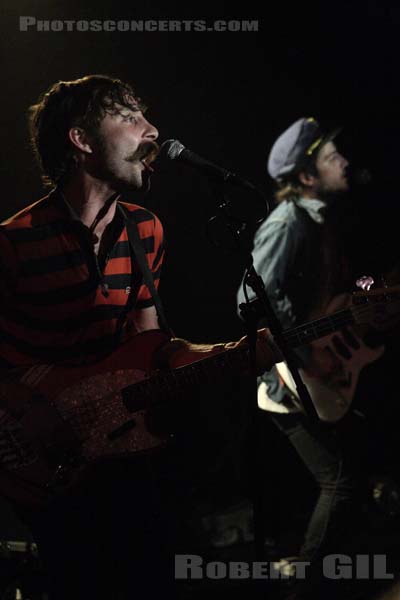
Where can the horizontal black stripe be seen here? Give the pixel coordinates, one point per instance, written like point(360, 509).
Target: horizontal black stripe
point(148, 244)
point(52, 264)
point(144, 303)
point(53, 354)
point(95, 314)
point(62, 224)
point(122, 249)
point(81, 252)
point(140, 215)
point(74, 258)
point(75, 292)
point(60, 295)
point(118, 282)
point(40, 232)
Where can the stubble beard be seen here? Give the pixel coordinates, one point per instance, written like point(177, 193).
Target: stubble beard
point(117, 174)
point(122, 175)
point(329, 193)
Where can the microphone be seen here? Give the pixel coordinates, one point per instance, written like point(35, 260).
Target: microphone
point(360, 177)
point(174, 150)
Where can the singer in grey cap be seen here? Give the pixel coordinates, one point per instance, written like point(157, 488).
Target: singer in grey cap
point(297, 255)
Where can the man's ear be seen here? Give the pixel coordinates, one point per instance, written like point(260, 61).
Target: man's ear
point(306, 179)
point(80, 140)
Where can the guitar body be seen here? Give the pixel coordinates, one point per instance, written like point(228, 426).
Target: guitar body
point(75, 416)
point(58, 419)
point(333, 396)
point(332, 399)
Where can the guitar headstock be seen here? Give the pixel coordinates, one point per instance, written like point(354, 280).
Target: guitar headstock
point(378, 307)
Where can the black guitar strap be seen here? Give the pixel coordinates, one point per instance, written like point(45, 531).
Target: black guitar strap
point(138, 255)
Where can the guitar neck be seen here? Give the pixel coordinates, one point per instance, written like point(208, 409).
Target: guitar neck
point(166, 384)
point(304, 334)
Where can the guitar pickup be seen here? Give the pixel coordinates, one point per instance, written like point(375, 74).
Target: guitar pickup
point(120, 431)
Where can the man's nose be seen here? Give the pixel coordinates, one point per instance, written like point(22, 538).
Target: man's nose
point(151, 132)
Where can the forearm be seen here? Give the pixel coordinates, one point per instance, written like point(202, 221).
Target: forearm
point(178, 352)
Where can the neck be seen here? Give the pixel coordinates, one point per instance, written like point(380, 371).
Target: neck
point(88, 196)
point(318, 194)
point(309, 194)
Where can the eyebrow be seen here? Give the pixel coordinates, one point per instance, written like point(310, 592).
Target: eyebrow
point(331, 153)
point(135, 108)
point(121, 110)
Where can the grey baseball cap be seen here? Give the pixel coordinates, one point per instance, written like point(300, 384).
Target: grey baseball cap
point(295, 146)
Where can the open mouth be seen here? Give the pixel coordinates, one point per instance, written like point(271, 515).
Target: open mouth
point(146, 163)
point(150, 157)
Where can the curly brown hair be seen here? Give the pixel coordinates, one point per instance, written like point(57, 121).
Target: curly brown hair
point(79, 103)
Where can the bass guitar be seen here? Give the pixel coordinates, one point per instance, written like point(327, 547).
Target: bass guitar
point(56, 420)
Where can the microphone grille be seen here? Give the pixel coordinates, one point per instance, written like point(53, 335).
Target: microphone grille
point(171, 149)
point(362, 177)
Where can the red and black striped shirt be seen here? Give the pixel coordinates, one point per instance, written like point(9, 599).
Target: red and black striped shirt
point(53, 304)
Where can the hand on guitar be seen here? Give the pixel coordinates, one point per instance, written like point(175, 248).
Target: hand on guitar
point(179, 352)
point(267, 352)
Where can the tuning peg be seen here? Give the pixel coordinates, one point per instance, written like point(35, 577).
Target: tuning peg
point(365, 282)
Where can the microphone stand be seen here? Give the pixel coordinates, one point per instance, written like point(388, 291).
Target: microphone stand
point(252, 312)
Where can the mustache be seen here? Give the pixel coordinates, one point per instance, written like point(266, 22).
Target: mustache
point(148, 151)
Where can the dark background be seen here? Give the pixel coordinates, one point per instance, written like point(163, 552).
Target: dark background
point(226, 96)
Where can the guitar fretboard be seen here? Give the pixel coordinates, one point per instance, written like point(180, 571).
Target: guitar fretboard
point(165, 385)
point(304, 334)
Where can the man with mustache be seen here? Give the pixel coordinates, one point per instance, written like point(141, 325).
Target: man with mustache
point(71, 291)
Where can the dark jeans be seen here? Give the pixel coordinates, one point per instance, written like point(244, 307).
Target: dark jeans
point(335, 457)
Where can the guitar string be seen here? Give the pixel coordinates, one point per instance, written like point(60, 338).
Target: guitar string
point(167, 380)
point(187, 374)
point(329, 323)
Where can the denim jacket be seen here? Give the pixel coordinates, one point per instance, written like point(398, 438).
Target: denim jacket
point(288, 254)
